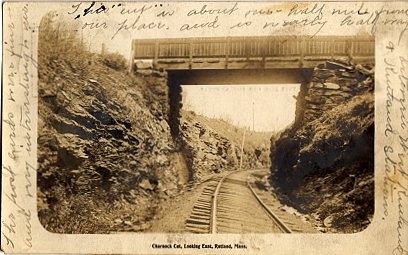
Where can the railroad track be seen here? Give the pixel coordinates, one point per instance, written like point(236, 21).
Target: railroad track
point(229, 204)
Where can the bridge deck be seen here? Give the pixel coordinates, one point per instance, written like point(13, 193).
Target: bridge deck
point(267, 52)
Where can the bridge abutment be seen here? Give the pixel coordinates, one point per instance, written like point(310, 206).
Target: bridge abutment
point(333, 84)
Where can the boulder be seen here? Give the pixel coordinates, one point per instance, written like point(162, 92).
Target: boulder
point(146, 185)
point(93, 81)
point(328, 221)
point(338, 65)
point(329, 85)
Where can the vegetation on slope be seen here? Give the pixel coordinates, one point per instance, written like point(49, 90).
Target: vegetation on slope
point(324, 165)
point(325, 168)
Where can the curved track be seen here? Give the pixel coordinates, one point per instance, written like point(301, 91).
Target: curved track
point(230, 205)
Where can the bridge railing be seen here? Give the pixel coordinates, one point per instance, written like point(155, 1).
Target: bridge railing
point(252, 47)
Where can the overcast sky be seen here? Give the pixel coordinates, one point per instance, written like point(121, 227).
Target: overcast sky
point(266, 107)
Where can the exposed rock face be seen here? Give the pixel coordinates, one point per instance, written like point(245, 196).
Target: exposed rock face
point(209, 151)
point(206, 151)
point(325, 166)
point(104, 147)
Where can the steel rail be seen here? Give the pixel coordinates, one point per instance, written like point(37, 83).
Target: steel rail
point(213, 221)
point(274, 217)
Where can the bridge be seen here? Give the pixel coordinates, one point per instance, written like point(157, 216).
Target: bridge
point(243, 60)
point(262, 52)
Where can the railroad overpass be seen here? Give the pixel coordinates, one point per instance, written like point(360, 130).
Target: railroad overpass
point(244, 60)
point(262, 52)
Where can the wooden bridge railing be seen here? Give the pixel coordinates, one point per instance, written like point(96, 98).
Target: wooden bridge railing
point(189, 49)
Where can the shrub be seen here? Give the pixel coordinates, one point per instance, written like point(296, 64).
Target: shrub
point(58, 40)
point(115, 61)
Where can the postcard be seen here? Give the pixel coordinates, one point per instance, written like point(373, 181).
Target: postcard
point(219, 127)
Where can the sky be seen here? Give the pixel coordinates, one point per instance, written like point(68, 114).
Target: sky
point(116, 30)
point(259, 107)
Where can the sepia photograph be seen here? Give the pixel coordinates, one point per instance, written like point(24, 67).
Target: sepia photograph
point(269, 134)
point(204, 128)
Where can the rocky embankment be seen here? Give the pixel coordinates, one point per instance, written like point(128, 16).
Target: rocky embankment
point(105, 153)
point(212, 146)
point(324, 165)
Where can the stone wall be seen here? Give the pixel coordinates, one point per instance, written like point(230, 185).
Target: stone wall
point(334, 83)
